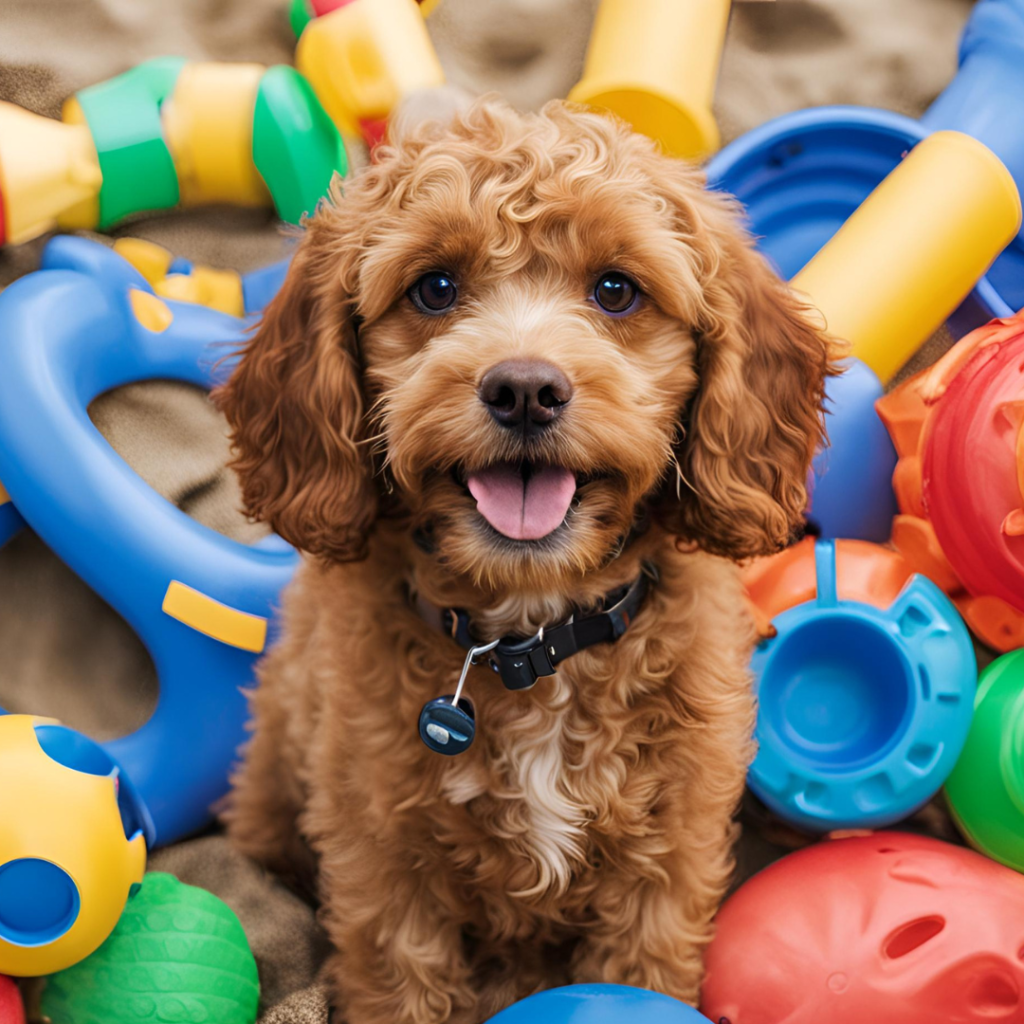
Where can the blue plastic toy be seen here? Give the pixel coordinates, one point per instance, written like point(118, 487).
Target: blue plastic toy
point(84, 324)
point(985, 100)
point(10, 521)
point(863, 711)
point(599, 1004)
point(802, 175)
point(851, 487)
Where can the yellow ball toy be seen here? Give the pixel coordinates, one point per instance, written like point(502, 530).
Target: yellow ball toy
point(72, 844)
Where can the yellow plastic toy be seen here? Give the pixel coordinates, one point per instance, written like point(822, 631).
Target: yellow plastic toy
point(46, 169)
point(167, 133)
point(914, 248)
point(72, 844)
point(207, 286)
point(208, 125)
point(361, 59)
point(654, 63)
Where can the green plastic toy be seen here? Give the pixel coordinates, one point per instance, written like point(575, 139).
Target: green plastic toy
point(295, 146)
point(178, 953)
point(986, 789)
point(123, 115)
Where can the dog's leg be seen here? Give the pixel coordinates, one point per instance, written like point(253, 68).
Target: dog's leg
point(400, 956)
point(263, 809)
point(655, 912)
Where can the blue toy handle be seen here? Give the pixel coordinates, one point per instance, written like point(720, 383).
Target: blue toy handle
point(68, 333)
point(825, 573)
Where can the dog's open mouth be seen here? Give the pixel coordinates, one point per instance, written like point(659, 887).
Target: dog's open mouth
point(523, 500)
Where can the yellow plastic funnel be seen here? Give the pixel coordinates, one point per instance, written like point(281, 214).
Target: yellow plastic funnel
point(913, 249)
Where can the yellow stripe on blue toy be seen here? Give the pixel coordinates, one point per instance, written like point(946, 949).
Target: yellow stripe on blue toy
point(84, 324)
point(209, 616)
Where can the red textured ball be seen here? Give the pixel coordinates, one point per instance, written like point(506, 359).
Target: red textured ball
point(875, 929)
point(11, 1009)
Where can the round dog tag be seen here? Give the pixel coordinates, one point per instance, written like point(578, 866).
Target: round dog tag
point(447, 728)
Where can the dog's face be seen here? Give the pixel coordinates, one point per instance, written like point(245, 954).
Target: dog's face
point(524, 333)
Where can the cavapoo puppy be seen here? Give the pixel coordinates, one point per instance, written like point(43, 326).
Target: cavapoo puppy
point(525, 373)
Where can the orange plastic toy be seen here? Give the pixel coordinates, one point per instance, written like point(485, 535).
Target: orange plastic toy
point(864, 572)
point(887, 928)
point(957, 428)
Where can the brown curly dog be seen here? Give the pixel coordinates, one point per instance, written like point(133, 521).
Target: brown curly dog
point(515, 360)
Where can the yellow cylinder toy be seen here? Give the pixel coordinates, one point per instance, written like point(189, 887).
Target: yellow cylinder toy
point(72, 844)
point(46, 169)
point(913, 249)
point(361, 59)
point(654, 63)
point(208, 124)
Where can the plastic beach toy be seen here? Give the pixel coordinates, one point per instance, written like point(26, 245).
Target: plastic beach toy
point(88, 322)
point(986, 790)
point(983, 100)
point(598, 1004)
point(884, 282)
point(905, 258)
point(177, 954)
point(865, 699)
point(11, 1009)
point(888, 927)
point(959, 431)
point(363, 57)
point(165, 133)
point(654, 63)
point(802, 175)
point(72, 843)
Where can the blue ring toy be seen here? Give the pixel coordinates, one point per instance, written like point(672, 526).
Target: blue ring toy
point(201, 603)
point(599, 1004)
point(863, 711)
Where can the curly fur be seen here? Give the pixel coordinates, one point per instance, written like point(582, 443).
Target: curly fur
point(587, 835)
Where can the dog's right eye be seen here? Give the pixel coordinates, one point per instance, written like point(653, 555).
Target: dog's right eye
point(434, 293)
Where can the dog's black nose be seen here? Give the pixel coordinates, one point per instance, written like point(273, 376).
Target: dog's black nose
point(525, 393)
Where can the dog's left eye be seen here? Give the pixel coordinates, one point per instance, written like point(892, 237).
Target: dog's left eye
point(615, 293)
point(434, 293)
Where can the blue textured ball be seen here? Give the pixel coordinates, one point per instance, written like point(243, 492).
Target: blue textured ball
point(599, 1004)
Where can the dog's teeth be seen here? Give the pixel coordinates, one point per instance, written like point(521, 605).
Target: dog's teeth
point(438, 733)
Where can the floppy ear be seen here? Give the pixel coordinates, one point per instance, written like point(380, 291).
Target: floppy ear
point(751, 430)
point(295, 407)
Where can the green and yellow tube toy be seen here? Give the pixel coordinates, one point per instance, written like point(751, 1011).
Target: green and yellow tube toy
point(168, 133)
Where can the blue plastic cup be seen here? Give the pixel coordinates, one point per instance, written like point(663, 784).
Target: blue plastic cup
point(863, 711)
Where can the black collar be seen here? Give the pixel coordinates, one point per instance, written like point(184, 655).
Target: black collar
point(521, 662)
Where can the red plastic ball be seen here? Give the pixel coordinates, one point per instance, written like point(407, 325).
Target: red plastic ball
point(972, 470)
point(11, 1009)
point(875, 929)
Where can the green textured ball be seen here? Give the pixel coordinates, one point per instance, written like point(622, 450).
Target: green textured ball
point(178, 954)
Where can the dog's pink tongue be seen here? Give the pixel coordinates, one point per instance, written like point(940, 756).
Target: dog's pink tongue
point(523, 511)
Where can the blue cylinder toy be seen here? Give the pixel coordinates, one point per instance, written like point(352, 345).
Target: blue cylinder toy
point(851, 482)
point(599, 1004)
point(863, 711)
